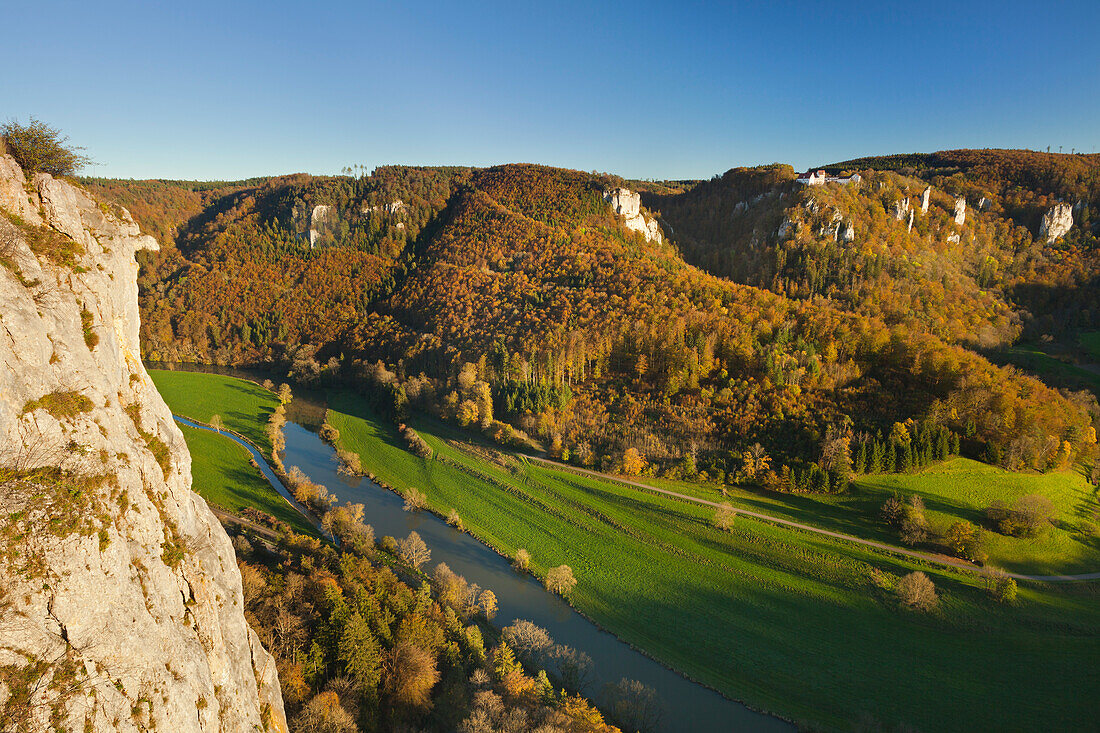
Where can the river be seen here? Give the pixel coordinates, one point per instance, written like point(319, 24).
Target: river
point(686, 705)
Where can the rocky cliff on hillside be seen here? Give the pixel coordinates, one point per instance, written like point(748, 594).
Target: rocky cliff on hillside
point(960, 211)
point(628, 204)
point(317, 221)
point(120, 598)
point(1056, 222)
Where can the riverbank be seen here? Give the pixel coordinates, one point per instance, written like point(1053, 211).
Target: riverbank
point(806, 625)
point(229, 495)
point(689, 706)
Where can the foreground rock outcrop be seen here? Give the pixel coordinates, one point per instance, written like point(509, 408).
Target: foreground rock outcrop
point(120, 599)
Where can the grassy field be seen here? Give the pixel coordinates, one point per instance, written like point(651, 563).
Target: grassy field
point(958, 489)
point(788, 621)
point(244, 407)
point(222, 475)
point(1050, 369)
point(220, 468)
point(1090, 343)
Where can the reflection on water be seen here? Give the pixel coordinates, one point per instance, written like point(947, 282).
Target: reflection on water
point(686, 706)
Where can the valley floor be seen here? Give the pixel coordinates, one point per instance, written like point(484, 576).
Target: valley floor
point(799, 624)
point(788, 621)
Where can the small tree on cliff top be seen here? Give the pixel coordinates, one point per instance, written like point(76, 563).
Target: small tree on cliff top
point(39, 148)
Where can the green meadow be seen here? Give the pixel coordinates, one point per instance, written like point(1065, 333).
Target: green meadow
point(221, 474)
point(788, 621)
point(1053, 370)
point(220, 469)
point(1089, 342)
point(955, 490)
point(244, 406)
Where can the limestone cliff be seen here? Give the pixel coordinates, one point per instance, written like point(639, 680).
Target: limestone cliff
point(1056, 222)
point(628, 204)
point(120, 598)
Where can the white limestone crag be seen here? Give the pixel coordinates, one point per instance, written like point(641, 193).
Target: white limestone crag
point(134, 620)
point(317, 221)
point(925, 199)
point(960, 211)
point(901, 208)
point(831, 229)
point(1056, 222)
point(628, 204)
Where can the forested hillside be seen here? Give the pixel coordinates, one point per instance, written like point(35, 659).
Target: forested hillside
point(512, 299)
point(1052, 283)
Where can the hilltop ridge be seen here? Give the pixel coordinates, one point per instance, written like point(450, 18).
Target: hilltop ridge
point(799, 309)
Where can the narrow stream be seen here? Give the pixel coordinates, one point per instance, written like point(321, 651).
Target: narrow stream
point(687, 706)
point(265, 468)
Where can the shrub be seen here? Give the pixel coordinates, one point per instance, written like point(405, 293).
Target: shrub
point(39, 148)
point(522, 561)
point(91, 338)
point(413, 550)
point(724, 516)
point(965, 540)
point(1005, 590)
point(349, 462)
point(907, 517)
point(560, 580)
point(328, 433)
point(416, 444)
point(60, 404)
point(633, 705)
point(415, 500)
point(528, 640)
point(916, 590)
point(1025, 518)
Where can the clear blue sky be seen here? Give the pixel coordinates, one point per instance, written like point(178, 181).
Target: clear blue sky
point(196, 89)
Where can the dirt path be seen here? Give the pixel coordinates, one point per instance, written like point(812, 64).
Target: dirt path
point(938, 559)
point(224, 516)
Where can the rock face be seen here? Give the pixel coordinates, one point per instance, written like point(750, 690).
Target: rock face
point(317, 221)
point(122, 608)
point(1057, 222)
point(960, 211)
point(628, 204)
point(787, 229)
point(925, 199)
point(901, 208)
